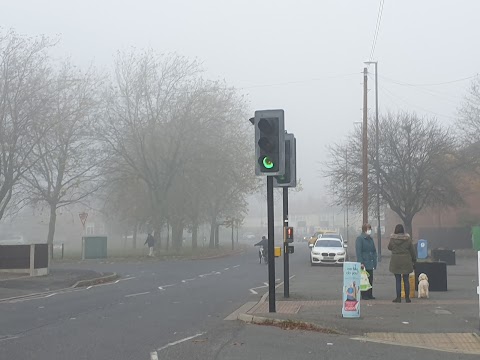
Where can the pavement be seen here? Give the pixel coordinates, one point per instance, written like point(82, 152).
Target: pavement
point(450, 318)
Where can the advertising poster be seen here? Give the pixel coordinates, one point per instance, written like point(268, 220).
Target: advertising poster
point(351, 290)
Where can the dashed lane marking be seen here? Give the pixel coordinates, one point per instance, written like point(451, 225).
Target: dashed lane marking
point(138, 294)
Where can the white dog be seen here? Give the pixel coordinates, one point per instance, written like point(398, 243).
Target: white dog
point(423, 286)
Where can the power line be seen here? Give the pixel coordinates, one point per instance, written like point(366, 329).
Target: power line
point(435, 93)
point(415, 106)
point(431, 84)
point(377, 29)
point(297, 81)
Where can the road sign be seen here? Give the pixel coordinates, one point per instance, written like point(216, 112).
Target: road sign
point(83, 217)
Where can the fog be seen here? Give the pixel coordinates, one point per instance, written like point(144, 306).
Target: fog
point(305, 57)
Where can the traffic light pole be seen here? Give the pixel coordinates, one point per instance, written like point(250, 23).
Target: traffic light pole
point(271, 245)
point(286, 264)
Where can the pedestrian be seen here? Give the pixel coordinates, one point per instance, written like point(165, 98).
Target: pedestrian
point(367, 256)
point(402, 261)
point(150, 242)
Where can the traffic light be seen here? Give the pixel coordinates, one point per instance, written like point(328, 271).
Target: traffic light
point(289, 234)
point(269, 142)
point(289, 179)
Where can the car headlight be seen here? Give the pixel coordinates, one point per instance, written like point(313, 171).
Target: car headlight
point(315, 253)
point(341, 253)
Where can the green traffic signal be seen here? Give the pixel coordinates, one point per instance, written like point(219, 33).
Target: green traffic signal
point(267, 163)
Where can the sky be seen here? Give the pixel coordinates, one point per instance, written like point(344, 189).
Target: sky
point(306, 57)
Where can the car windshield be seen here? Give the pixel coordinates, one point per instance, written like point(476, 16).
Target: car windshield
point(333, 236)
point(328, 243)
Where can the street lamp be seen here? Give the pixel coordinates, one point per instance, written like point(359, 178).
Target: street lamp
point(377, 162)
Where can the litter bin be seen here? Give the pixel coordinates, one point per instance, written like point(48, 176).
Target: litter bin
point(436, 272)
point(411, 280)
point(447, 256)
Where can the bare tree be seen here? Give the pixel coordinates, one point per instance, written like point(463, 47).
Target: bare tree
point(24, 98)
point(176, 133)
point(142, 126)
point(418, 165)
point(469, 113)
point(70, 158)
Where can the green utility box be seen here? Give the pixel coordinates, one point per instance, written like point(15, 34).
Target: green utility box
point(476, 237)
point(95, 247)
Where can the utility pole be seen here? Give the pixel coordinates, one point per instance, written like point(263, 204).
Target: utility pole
point(377, 154)
point(377, 161)
point(346, 187)
point(365, 147)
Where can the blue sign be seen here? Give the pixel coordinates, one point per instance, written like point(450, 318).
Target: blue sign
point(422, 249)
point(351, 290)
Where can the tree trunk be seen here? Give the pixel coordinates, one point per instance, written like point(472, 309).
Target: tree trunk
point(217, 236)
point(194, 235)
point(408, 226)
point(168, 236)
point(177, 235)
point(135, 229)
point(213, 225)
point(156, 234)
point(51, 230)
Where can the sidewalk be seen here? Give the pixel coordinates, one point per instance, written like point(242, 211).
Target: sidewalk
point(16, 285)
point(315, 297)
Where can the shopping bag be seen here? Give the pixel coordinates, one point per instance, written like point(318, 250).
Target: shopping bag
point(364, 282)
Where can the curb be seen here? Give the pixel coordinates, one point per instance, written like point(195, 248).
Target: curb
point(261, 320)
point(81, 283)
point(95, 281)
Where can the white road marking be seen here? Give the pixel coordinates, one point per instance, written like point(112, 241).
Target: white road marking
point(110, 283)
point(252, 290)
point(165, 286)
point(184, 281)
point(9, 337)
point(153, 355)
point(203, 275)
point(226, 269)
point(179, 341)
point(236, 266)
point(218, 273)
point(143, 293)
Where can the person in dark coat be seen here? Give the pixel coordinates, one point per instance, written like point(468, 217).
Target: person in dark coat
point(150, 242)
point(264, 244)
point(367, 256)
point(402, 261)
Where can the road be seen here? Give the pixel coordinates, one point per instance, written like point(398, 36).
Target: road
point(173, 310)
point(152, 305)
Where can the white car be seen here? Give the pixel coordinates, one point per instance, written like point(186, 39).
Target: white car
point(328, 251)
